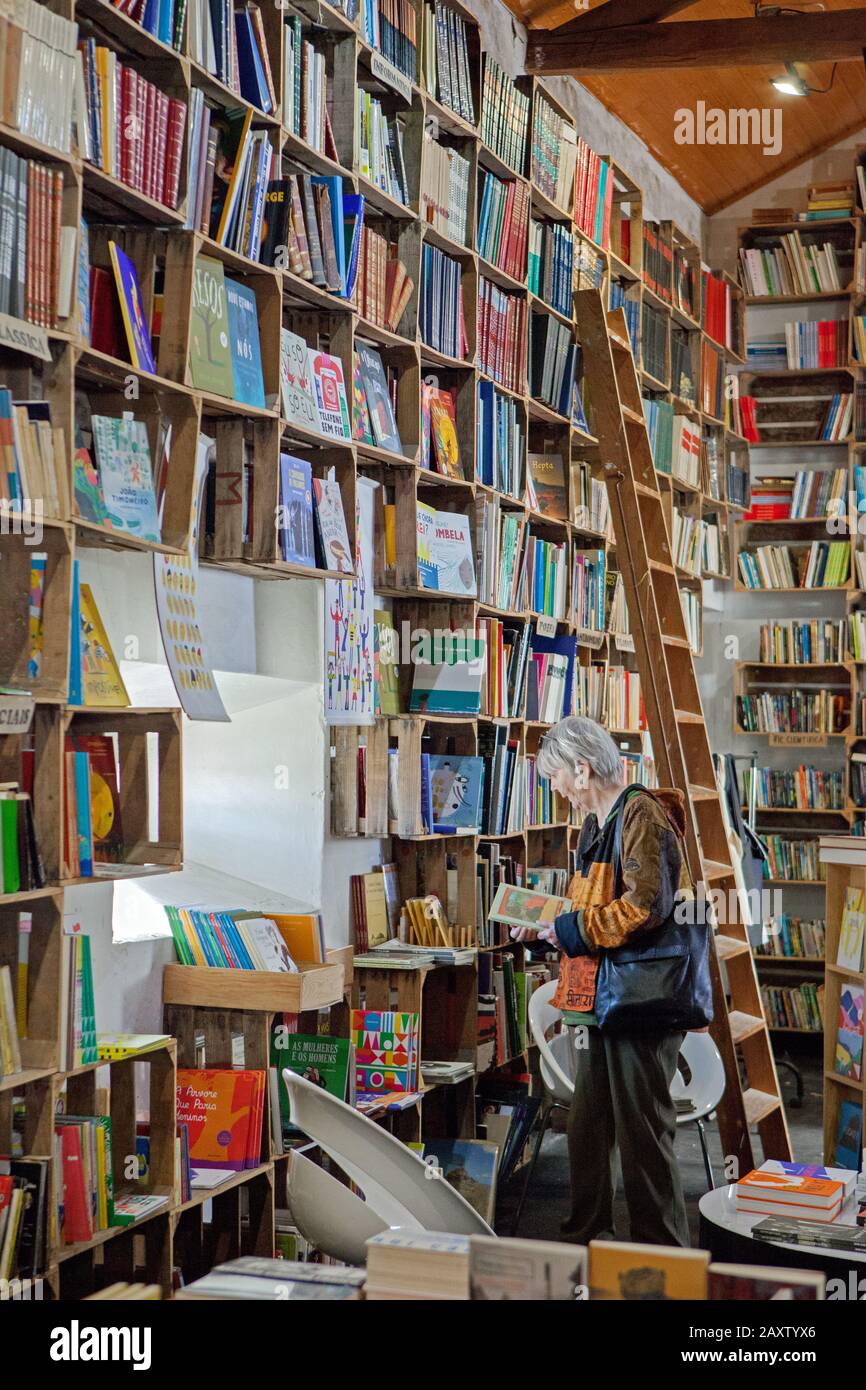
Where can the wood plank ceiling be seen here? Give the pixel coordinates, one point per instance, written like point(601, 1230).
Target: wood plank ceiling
point(716, 175)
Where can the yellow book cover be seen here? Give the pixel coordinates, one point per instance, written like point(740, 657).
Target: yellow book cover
point(390, 535)
point(618, 1270)
point(101, 682)
point(302, 935)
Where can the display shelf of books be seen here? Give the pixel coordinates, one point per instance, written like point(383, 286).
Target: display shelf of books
point(31, 983)
point(844, 988)
point(39, 667)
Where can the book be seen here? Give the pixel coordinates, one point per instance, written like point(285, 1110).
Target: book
point(849, 1033)
point(849, 1135)
point(512, 1270)
point(851, 931)
point(381, 413)
point(325, 1061)
point(331, 524)
point(441, 414)
point(547, 487)
point(470, 1166)
point(132, 310)
point(125, 476)
point(296, 382)
point(456, 786)
point(303, 933)
point(210, 356)
point(114, 1047)
point(452, 679)
point(522, 907)
point(101, 681)
point(386, 1050)
point(618, 1270)
point(329, 390)
point(451, 554)
point(296, 529)
point(243, 314)
point(386, 671)
point(428, 574)
point(753, 1283)
point(789, 1194)
point(223, 1112)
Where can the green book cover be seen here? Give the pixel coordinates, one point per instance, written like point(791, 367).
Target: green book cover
point(9, 832)
point(319, 1058)
point(210, 357)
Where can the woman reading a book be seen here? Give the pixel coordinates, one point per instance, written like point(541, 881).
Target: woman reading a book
point(631, 870)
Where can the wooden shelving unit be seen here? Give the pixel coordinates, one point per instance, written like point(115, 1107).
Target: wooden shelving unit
point(839, 1088)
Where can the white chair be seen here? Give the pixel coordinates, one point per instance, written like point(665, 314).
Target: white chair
point(327, 1213)
point(699, 1079)
point(397, 1185)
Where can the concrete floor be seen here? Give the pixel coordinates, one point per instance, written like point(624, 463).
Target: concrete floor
point(548, 1200)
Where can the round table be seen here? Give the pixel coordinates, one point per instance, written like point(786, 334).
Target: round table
point(727, 1234)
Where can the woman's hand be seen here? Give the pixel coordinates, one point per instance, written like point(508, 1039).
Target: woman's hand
point(546, 934)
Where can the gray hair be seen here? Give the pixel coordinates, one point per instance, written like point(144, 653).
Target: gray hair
point(575, 740)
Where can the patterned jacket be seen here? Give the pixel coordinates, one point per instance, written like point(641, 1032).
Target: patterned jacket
point(653, 871)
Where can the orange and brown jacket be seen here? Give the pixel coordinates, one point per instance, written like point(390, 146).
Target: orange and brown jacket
point(653, 875)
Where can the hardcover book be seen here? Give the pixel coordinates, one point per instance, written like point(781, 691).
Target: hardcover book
point(443, 433)
point(101, 681)
point(849, 1035)
point(386, 1050)
point(246, 352)
point(451, 554)
point(297, 534)
point(547, 488)
point(381, 412)
point(362, 428)
point(210, 356)
point(296, 382)
point(123, 456)
point(456, 788)
point(523, 907)
point(132, 310)
point(331, 521)
point(330, 393)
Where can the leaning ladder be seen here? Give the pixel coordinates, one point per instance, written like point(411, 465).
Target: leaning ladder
point(676, 723)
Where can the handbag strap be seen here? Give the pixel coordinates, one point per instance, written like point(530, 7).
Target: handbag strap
point(617, 843)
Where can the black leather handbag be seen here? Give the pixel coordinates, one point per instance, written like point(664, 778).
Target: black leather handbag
point(660, 981)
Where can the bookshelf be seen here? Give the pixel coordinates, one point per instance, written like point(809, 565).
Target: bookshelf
point(844, 1094)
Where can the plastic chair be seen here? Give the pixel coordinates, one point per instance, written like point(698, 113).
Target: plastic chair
point(397, 1184)
point(327, 1213)
point(699, 1078)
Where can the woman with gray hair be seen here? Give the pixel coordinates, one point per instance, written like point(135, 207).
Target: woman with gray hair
point(631, 866)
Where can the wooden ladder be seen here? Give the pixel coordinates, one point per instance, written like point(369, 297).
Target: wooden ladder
point(676, 723)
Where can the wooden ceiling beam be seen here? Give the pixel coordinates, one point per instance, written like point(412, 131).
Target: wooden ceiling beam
point(809, 37)
point(615, 14)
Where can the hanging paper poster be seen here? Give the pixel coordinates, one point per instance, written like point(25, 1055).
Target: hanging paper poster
point(176, 581)
point(349, 623)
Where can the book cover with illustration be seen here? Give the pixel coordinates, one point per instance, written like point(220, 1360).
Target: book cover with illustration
point(296, 382)
point(386, 669)
point(381, 411)
point(386, 1050)
point(849, 1135)
point(524, 907)
point(849, 1035)
point(106, 822)
point(618, 1270)
point(101, 682)
point(223, 1113)
point(362, 429)
point(323, 1060)
point(330, 393)
point(851, 931)
point(331, 521)
point(126, 476)
point(210, 354)
point(132, 310)
point(443, 433)
point(249, 386)
point(547, 490)
point(297, 533)
point(451, 554)
point(428, 575)
point(456, 786)
point(89, 501)
point(470, 1167)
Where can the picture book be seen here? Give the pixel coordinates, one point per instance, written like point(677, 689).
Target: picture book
point(246, 351)
point(331, 521)
point(318, 1058)
point(36, 613)
point(456, 786)
point(380, 410)
point(851, 931)
point(445, 446)
point(303, 934)
point(618, 1270)
point(428, 574)
point(106, 824)
point(210, 353)
point(505, 1270)
point(296, 529)
point(453, 684)
point(296, 382)
point(125, 475)
point(451, 554)
point(101, 681)
point(386, 671)
point(330, 393)
point(89, 501)
point(524, 907)
point(849, 1135)
point(347, 655)
point(223, 1112)
point(132, 310)
point(386, 1050)
point(362, 428)
point(546, 486)
point(469, 1165)
point(849, 1035)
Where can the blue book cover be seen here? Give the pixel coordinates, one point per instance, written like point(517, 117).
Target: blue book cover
point(82, 293)
point(334, 185)
point(82, 814)
point(243, 313)
point(456, 790)
point(230, 927)
point(485, 433)
point(75, 695)
point(849, 1135)
point(353, 222)
point(165, 23)
point(132, 310)
point(426, 795)
point(150, 20)
point(254, 87)
point(297, 534)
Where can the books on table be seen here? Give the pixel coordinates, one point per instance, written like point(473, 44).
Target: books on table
point(417, 1264)
point(536, 1270)
point(783, 1191)
point(253, 1277)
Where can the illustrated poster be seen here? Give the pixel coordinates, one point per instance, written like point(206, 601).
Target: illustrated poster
point(349, 622)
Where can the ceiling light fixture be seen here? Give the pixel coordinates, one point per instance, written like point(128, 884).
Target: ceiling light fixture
point(792, 84)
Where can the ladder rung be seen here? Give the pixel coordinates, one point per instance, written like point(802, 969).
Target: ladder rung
point(629, 414)
point(758, 1105)
point(618, 341)
point(728, 946)
point(714, 869)
point(661, 568)
point(745, 1025)
point(644, 490)
point(687, 716)
point(699, 793)
point(682, 642)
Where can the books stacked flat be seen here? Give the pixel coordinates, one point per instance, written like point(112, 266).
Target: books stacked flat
point(256, 1278)
point(421, 1265)
point(446, 1073)
point(794, 1190)
point(794, 1231)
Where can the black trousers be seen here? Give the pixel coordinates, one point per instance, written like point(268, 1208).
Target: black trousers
point(622, 1101)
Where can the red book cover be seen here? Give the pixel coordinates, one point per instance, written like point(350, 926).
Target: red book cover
point(77, 1212)
point(147, 154)
point(176, 123)
point(29, 281)
point(41, 243)
point(57, 212)
point(107, 333)
point(217, 1107)
point(162, 110)
point(127, 125)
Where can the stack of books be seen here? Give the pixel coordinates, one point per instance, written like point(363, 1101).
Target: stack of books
point(390, 27)
point(504, 116)
point(819, 344)
point(808, 642)
point(820, 565)
point(445, 190)
point(553, 153)
point(445, 64)
point(593, 195)
point(35, 283)
point(265, 1280)
point(829, 201)
point(417, 1265)
point(792, 1190)
point(502, 335)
